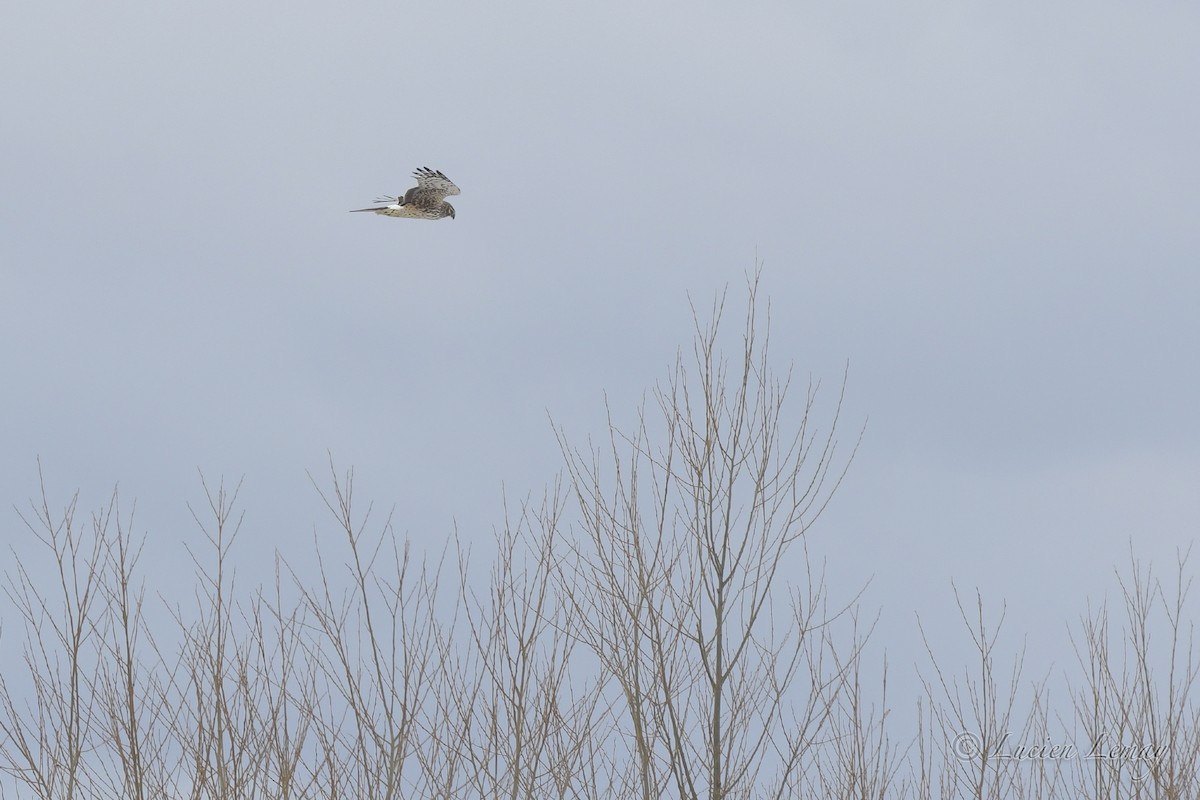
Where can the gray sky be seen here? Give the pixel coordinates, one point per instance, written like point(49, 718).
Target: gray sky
point(988, 210)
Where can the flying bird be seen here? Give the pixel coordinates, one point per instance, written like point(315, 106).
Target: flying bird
point(426, 200)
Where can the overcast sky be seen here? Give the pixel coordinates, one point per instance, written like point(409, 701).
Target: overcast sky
point(989, 211)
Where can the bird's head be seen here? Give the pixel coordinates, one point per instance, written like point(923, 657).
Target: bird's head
point(447, 210)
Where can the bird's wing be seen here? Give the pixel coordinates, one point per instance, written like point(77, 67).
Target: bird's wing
point(378, 208)
point(432, 188)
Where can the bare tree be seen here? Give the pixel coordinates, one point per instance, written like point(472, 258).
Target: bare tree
point(376, 657)
point(47, 735)
point(984, 731)
point(862, 762)
point(1136, 704)
point(133, 682)
point(726, 675)
point(534, 713)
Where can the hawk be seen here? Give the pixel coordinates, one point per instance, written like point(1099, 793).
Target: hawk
point(426, 200)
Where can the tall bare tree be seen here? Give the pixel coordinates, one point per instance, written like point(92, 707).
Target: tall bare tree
point(690, 525)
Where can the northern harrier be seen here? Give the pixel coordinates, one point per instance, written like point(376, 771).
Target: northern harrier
point(426, 200)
